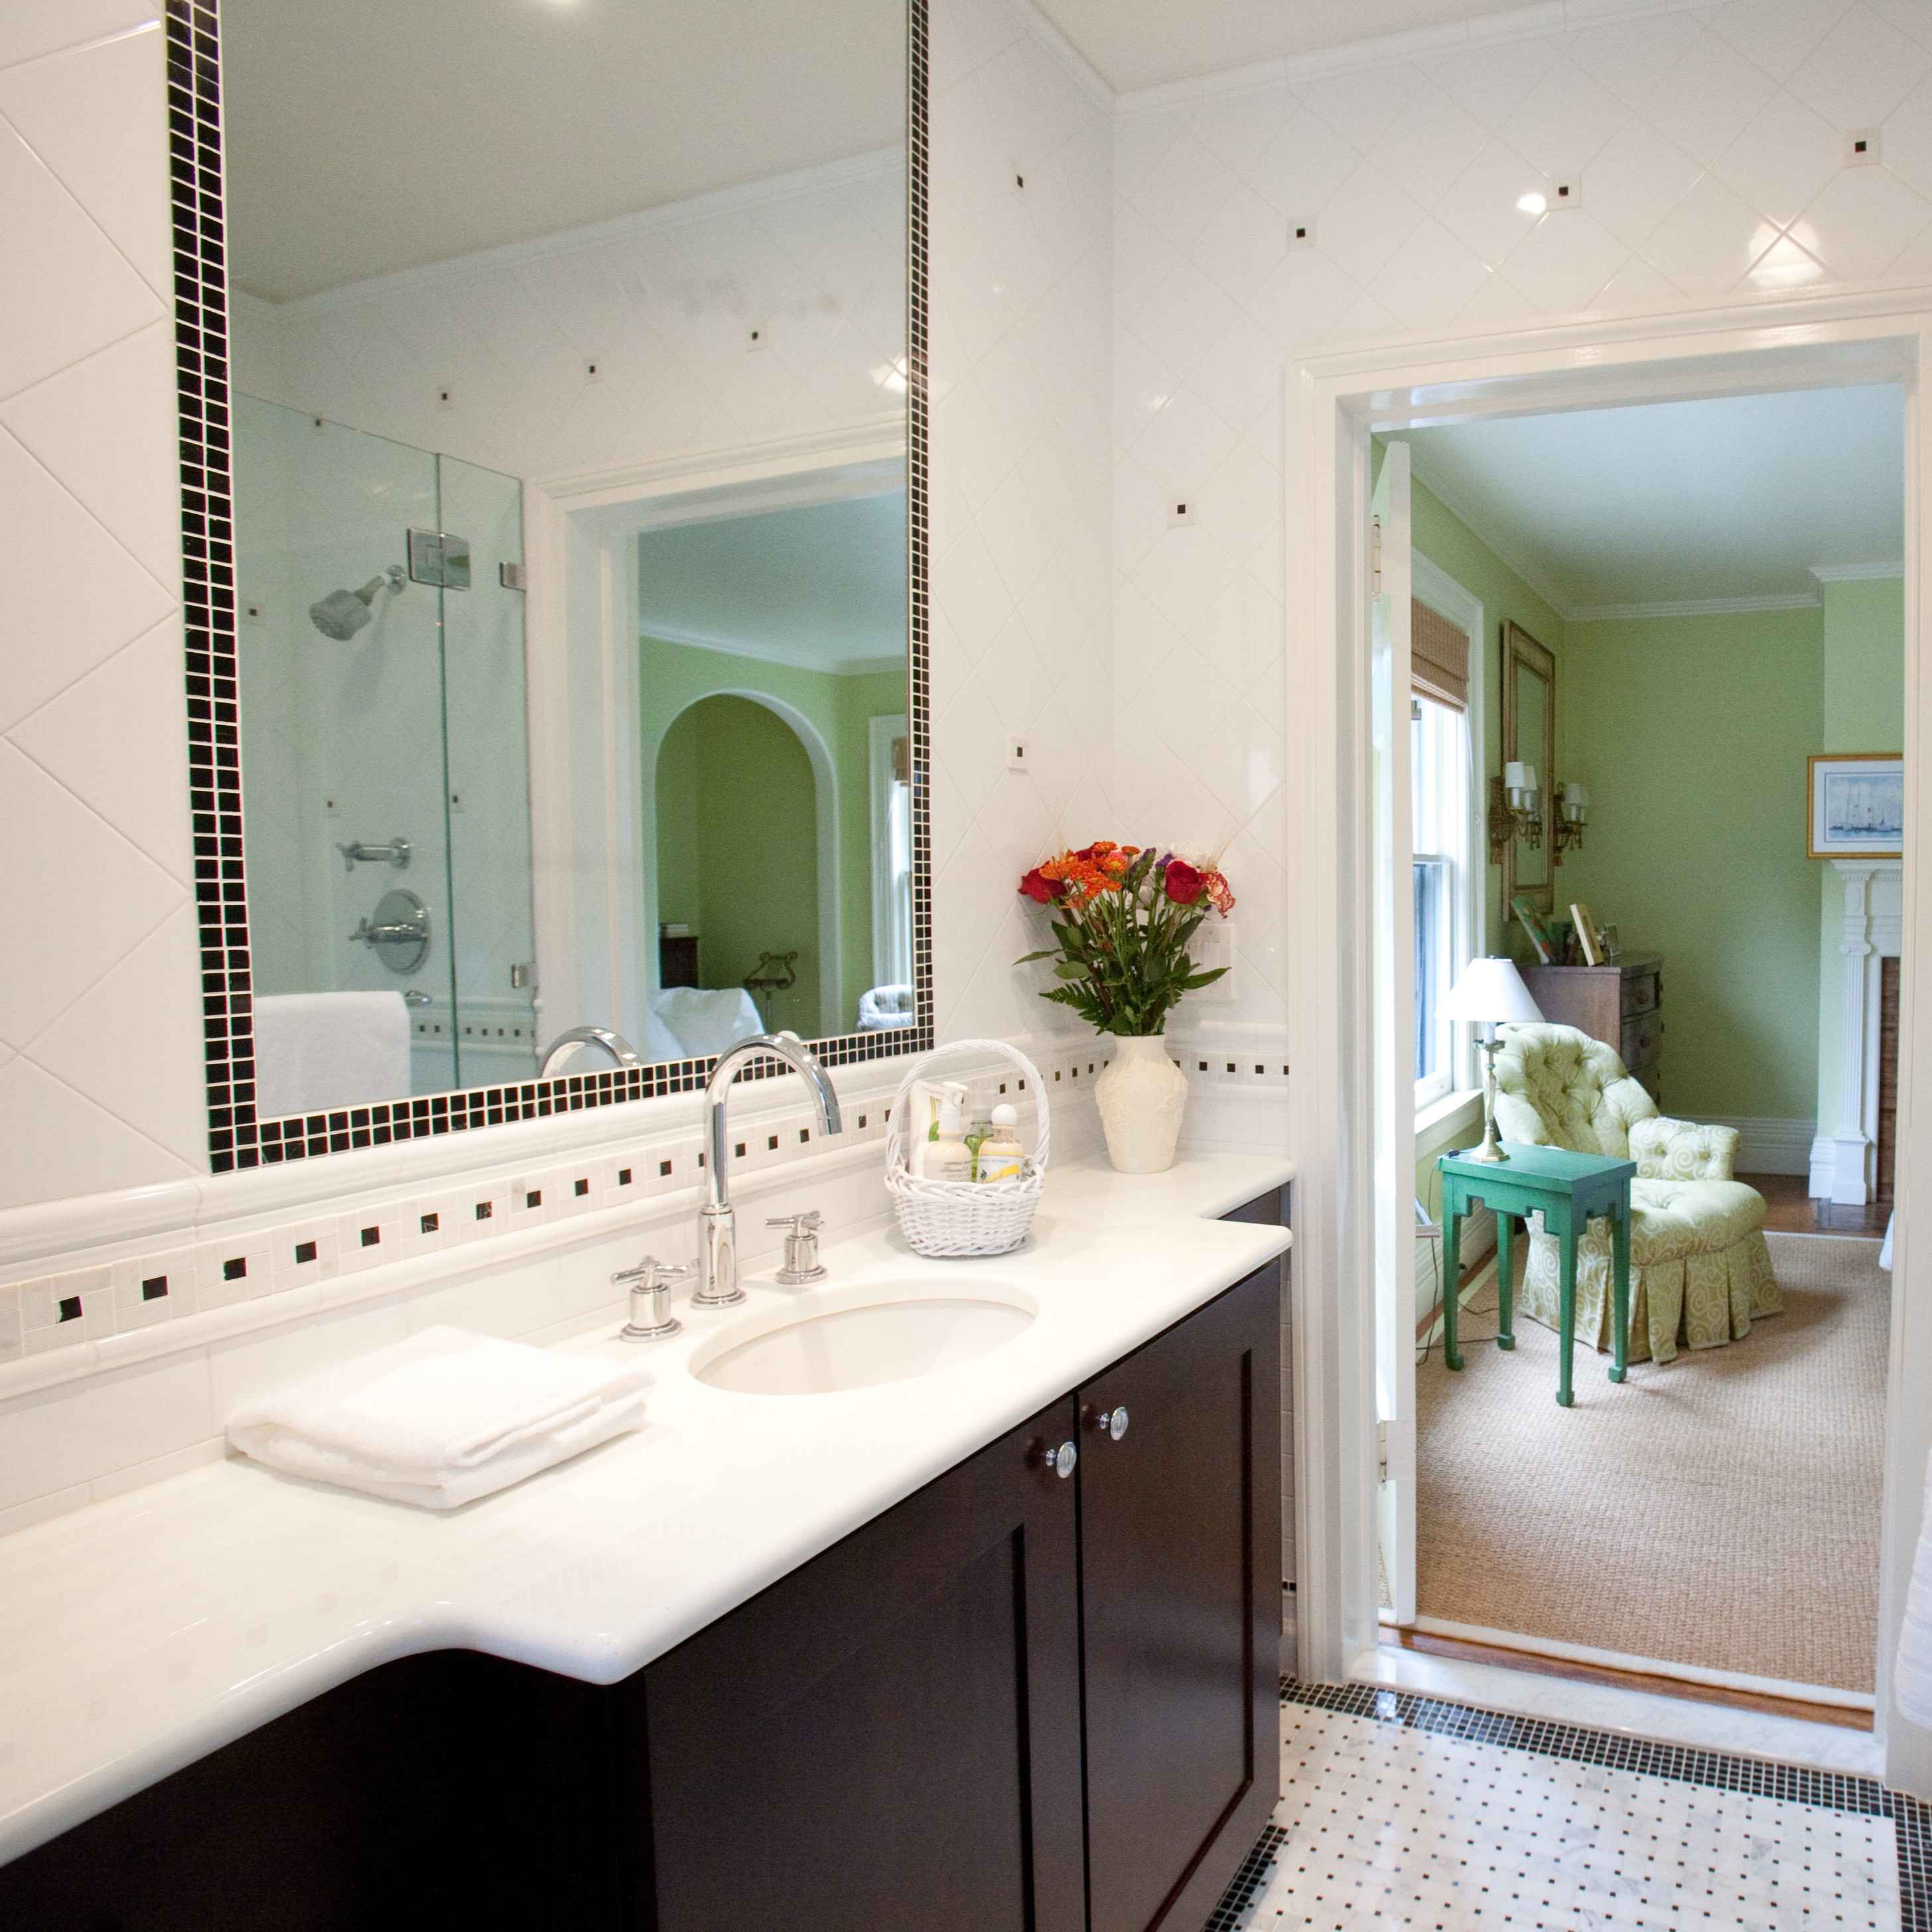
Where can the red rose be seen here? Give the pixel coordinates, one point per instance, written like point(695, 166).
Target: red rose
point(1038, 887)
point(1183, 883)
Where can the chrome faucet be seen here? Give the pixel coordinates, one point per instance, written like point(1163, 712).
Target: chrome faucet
point(621, 1052)
point(717, 1226)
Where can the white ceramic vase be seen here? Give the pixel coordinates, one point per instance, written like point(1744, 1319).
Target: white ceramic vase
point(1140, 1094)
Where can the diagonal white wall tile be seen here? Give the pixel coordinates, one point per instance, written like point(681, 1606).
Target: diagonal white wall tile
point(31, 27)
point(78, 895)
point(122, 1046)
point(118, 740)
point(1861, 70)
point(106, 427)
point(55, 1142)
point(76, 595)
point(69, 291)
point(97, 116)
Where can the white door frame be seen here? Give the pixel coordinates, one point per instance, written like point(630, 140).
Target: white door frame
point(594, 918)
point(1334, 403)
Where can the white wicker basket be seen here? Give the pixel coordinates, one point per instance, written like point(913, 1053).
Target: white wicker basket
point(966, 1217)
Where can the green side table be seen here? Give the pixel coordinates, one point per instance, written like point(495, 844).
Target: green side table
point(1568, 1189)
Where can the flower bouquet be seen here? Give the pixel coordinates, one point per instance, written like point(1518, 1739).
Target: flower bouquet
point(1123, 916)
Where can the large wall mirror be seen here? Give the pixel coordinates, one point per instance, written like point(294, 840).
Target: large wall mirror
point(1529, 735)
point(573, 427)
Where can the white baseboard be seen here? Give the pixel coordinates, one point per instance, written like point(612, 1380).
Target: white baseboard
point(1769, 1145)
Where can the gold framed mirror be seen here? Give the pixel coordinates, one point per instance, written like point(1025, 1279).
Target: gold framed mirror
point(1529, 737)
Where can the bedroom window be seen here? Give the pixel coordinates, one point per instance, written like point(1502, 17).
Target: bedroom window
point(1439, 766)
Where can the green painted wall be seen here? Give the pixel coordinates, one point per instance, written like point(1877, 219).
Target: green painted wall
point(1692, 734)
point(839, 709)
point(1863, 711)
point(735, 791)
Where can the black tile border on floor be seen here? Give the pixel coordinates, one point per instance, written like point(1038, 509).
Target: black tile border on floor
point(237, 1138)
point(1720, 1770)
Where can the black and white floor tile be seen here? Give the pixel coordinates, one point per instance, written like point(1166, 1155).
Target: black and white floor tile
point(1401, 1810)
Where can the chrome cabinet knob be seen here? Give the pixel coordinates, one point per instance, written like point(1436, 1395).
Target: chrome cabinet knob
point(1061, 1462)
point(1112, 1422)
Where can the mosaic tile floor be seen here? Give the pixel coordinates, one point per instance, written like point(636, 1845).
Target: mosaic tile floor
point(1399, 1810)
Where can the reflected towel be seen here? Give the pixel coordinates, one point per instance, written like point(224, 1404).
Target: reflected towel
point(707, 1019)
point(315, 1050)
point(1911, 1675)
point(442, 1418)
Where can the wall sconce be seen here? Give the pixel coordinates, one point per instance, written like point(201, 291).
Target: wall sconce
point(1573, 810)
point(1515, 809)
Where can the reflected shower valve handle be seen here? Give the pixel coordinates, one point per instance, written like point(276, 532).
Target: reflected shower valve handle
point(396, 852)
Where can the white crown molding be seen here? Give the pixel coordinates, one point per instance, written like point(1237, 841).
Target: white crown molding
point(1856, 573)
point(1519, 23)
point(670, 214)
point(1694, 607)
point(737, 647)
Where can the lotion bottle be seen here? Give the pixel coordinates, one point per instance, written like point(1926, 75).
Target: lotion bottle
point(1001, 1155)
point(947, 1156)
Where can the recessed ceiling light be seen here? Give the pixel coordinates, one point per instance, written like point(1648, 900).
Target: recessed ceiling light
point(1533, 202)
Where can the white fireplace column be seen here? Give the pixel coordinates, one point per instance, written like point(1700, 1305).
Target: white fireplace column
point(1844, 1157)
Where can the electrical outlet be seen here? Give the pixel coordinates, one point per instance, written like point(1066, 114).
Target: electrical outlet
point(1213, 945)
point(1183, 512)
point(1862, 148)
point(1301, 235)
point(1016, 754)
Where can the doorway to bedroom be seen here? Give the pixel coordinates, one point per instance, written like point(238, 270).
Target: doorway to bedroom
point(1653, 760)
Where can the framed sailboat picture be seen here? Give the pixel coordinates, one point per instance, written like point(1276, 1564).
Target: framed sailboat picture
point(1857, 805)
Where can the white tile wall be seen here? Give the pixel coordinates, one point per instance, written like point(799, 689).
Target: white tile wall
point(1708, 145)
point(1021, 358)
point(100, 1069)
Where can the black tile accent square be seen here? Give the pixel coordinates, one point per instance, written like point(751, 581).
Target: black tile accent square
point(430, 1223)
point(154, 1288)
point(69, 1308)
point(236, 1268)
point(305, 1252)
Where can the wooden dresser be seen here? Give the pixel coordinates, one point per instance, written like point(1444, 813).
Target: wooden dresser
point(1621, 1005)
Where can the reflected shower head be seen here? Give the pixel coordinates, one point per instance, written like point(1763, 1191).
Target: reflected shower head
point(343, 613)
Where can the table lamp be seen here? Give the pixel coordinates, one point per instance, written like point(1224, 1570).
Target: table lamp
point(1488, 991)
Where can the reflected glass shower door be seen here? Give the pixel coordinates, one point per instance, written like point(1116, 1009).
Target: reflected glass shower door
point(384, 771)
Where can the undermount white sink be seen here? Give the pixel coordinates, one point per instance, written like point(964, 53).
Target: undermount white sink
point(855, 1338)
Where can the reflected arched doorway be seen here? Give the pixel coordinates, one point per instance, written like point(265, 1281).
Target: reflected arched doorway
point(744, 830)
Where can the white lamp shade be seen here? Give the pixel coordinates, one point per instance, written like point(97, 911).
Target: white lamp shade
point(1491, 990)
point(1516, 775)
point(1576, 794)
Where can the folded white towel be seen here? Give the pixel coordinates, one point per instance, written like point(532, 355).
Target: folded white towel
point(442, 1418)
point(1911, 1675)
point(315, 1050)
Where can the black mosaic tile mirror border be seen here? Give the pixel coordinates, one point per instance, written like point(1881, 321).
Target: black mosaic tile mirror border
point(236, 1137)
point(1797, 1784)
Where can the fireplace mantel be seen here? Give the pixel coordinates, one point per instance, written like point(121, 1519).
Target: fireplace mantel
point(1844, 1156)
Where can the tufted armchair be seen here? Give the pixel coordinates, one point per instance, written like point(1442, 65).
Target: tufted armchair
point(1699, 1268)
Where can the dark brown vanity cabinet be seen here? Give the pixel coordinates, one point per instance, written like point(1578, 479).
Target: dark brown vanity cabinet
point(1018, 1701)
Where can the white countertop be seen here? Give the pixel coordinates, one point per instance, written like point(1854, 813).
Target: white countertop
point(138, 1635)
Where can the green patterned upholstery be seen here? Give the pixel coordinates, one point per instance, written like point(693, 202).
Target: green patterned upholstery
point(1699, 1268)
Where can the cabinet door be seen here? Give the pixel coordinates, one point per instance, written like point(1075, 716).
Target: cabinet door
point(889, 1738)
point(1180, 1596)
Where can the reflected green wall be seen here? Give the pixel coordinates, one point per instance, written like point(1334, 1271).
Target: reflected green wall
point(737, 844)
point(838, 708)
point(1692, 734)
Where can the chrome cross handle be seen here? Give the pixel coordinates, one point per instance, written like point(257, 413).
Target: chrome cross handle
point(801, 1248)
point(650, 1283)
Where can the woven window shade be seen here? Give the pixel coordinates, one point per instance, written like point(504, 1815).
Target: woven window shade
point(1438, 657)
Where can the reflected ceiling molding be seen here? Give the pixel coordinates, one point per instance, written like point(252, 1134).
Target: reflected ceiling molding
point(1856, 573)
point(737, 647)
point(670, 214)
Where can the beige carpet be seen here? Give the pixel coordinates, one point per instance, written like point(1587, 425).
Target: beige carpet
point(1722, 1510)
